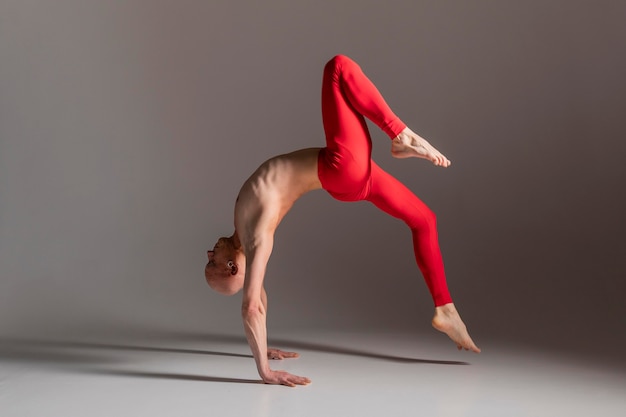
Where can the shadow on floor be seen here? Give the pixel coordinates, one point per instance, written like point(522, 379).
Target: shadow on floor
point(42, 354)
point(81, 356)
point(72, 353)
point(170, 376)
point(315, 347)
point(48, 350)
point(355, 352)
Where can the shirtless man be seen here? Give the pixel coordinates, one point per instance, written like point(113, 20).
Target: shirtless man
point(345, 170)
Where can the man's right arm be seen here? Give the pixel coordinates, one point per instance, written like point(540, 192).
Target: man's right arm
point(254, 314)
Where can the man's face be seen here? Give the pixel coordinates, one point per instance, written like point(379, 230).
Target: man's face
point(224, 272)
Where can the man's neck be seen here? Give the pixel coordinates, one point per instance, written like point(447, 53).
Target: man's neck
point(235, 239)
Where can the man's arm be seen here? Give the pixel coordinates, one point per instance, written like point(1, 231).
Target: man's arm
point(254, 313)
point(273, 353)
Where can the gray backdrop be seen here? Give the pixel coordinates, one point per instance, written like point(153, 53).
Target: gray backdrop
point(127, 128)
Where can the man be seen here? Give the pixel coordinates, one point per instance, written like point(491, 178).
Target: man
point(345, 170)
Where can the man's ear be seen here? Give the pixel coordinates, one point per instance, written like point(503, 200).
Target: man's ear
point(234, 269)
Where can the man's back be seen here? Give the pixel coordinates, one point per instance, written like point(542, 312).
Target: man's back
point(271, 191)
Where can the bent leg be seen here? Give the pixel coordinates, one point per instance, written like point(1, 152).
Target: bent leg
point(348, 96)
point(392, 197)
point(348, 93)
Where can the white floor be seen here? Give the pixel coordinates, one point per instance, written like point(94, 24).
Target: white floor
point(353, 375)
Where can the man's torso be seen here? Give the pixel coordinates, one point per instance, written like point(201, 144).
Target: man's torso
point(271, 191)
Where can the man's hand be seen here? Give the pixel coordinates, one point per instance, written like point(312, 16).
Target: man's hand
point(284, 378)
point(280, 354)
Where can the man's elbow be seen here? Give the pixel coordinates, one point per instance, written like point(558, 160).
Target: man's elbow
point(252, 309)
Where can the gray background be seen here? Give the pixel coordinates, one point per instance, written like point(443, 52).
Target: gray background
point(127, 128)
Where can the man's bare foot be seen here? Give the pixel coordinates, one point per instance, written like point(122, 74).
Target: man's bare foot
point(448, 321)
point(409, 144)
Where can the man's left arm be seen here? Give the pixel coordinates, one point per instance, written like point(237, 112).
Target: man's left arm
point(271, 352)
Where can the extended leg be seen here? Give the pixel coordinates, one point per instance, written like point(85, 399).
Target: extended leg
point(391, 196)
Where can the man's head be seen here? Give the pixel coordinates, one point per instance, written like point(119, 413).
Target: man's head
point(226, 268)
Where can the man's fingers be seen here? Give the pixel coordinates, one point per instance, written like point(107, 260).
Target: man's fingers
point(280, 354)
point(285, 378)
point(300, 381)
point(293, 380)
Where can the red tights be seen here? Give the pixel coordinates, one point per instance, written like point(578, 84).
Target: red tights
point(347, 172)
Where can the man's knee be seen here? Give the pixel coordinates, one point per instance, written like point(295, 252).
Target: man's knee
point(424, 219)
point(338, 63)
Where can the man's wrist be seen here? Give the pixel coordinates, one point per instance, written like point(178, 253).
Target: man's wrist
point(265, 373)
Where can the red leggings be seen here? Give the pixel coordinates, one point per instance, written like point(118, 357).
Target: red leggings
point(347, 172)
